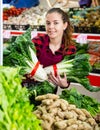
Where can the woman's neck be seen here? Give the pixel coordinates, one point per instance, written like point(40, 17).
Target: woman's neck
point(56, 42)
point(54, 45)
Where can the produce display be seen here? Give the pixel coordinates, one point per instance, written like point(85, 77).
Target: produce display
point(16, 112)
point(53, 112)
point(30, 16)
point(94, 51)
point(11, 12)
point(21, 52)
point(85, 20)
point(81, 101)
point(58, 114)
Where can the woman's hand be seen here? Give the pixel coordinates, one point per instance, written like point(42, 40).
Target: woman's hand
point(58, 80)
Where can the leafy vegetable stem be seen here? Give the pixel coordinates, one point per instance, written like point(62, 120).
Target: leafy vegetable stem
point(7, 117)
point(4, 124)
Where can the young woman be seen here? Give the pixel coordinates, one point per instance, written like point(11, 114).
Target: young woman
point(56, 43)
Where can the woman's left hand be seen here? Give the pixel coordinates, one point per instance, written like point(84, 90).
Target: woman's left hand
point(58, 80)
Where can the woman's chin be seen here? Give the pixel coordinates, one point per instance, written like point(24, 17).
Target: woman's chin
point(52, 35)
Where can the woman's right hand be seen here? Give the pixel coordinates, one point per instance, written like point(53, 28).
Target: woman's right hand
point(58, 80)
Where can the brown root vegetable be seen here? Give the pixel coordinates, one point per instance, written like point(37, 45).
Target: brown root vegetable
point(57, 103)
point(60, 124)
point(91, 121)
point(46, 126)
point(69, 115)
point(47, 102)
point(53, 111)
point(72, 127)
point(71, 107)
point(61, 114)
point(87, 114)
point(47, 96)
point(57, 118)
point(87, 126)
point(42, 109)
point(58, 114)
point(79, 112)
point(48, 118)
point(64, 105)
point(82, 118)
point(71, 121)
point(97, 118)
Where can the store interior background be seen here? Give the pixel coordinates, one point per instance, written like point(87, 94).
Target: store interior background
point(54, 3)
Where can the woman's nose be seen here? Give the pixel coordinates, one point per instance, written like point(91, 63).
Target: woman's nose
point(51, 25)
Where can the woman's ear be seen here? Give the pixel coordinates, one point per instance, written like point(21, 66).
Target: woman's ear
point(65, 25)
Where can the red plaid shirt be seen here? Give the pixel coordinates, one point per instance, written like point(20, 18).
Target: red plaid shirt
point(45, 55)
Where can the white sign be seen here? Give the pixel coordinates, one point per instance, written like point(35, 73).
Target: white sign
point(81, 38)
point(6, 34)
point(34, 34)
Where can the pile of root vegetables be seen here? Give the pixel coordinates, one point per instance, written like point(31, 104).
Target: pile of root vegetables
point(58, 114)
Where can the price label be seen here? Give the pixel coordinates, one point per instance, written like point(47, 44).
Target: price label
point(33, 34)
point(6, 34)
point(81, 38)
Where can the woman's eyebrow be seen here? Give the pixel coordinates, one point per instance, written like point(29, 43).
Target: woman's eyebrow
point(53, 20)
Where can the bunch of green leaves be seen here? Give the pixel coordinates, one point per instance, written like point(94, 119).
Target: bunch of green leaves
point(39, 88)
point(81, 101)
point(81, 48)
point(78, 66)
point(15, 108)
point(22, 52)
point(77, 69)
point(17, 52)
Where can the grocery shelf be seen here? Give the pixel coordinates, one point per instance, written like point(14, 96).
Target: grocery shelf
point(75, 35)
point(91, 37)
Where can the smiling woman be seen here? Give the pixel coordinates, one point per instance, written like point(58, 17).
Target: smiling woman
point(56, 43)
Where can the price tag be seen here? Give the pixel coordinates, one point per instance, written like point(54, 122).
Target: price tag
point(33, 34)
point(81, 38)
point(6, 34)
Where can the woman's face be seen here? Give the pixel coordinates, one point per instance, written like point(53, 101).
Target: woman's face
point(54, 25)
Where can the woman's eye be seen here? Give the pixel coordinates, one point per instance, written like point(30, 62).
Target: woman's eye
point(47, 23)
point(56, 23)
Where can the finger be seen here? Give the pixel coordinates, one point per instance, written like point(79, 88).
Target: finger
point(65, 75)
point(51, 82)
point(53, 78)
point(58, 76)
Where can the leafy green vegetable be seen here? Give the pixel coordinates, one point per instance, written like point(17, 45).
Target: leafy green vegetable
point(21, 52)
point(81, 101)
point(15, 109)
point(77, 69)
point(39, 88)
point(81, 48)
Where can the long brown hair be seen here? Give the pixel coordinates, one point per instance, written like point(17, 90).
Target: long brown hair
point(67, 35)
